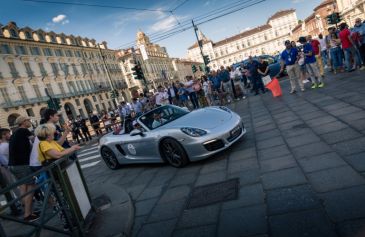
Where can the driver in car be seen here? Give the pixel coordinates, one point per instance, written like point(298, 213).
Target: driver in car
point(158, 121)
point(136, 125)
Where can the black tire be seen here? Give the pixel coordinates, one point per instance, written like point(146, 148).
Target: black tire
point(109, 158)
point(173, 153)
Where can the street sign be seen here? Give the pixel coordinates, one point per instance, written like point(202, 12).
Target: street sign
point(143, 52)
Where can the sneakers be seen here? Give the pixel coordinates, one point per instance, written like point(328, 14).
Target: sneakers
point(244, 97)
point(302, 89)
point(314, 86)
point(320, 85)
point(32, 217)
point(362, 68)
point(293, 91)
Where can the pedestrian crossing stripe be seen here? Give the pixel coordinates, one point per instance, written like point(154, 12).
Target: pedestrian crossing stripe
point(89, 158)
point(83, 154)
point(89, 149)
point(90, 164)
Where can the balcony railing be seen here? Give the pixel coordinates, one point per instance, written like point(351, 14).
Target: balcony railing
point(15, 74)
point(17, 103)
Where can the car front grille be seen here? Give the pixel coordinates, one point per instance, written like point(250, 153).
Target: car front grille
point(234, 135)
point(214, 145)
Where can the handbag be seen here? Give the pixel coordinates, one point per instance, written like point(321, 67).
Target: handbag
point(266, 80)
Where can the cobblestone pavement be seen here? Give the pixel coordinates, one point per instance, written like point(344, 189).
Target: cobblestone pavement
point(301, 169)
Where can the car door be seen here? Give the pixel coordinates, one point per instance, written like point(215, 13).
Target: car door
point(142, 147)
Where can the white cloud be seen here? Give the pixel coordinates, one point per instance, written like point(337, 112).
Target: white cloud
point(297, 1)
point(59, 18)
point(246, 29)
point(167, 23)
point(207, 3)
point(164, 24)
point(65, 22)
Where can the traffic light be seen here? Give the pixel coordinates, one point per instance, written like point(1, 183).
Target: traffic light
point(137, 72)
point(334, 18)
point(329, 19)
point(337, 17)
point(206, 59)
point(54, 103)
point(193, 68)
point(114, 94)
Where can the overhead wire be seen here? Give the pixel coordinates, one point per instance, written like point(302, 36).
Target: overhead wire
point(96, 5)
point(223, 8)
point(187, 26)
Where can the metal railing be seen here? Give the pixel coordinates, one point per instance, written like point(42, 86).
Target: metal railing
point(56, 189)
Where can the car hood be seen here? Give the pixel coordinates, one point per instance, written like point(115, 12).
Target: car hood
point(207, 118)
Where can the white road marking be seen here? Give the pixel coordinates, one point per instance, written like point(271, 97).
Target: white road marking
point(83, 154)
point(89, 158)
point(90, 164)
point(89, 149)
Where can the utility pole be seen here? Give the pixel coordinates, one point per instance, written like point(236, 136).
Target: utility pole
point(199, 43)
point(108, 75)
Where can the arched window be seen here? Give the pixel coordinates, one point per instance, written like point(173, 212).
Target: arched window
point(63, 40)
point(13, 33)
point(28, 35)
point(53, 39)
point(41, 37)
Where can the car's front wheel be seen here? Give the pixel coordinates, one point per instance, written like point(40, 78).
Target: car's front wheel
point(109, 157)
point(173, 153)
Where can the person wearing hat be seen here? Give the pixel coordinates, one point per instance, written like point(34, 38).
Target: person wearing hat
point(311, 63)
point(289, 58)
point(20, 147)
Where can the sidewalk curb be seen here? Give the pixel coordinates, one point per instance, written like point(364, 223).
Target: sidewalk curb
point(130, 222)
point(115, 218)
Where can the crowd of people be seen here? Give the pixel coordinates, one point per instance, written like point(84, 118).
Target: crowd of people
point(342, 50)
point(23, 152)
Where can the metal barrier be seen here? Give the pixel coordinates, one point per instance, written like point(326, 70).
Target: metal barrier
point(63, 187)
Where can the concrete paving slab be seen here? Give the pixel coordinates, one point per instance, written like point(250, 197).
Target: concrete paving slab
point(335, 178)
point(283, 178)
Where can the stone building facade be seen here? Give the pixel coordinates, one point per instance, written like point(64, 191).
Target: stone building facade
point(265, 39)
point(156, 64)
point(351, 9)
point(71, 68)
point(316, 23)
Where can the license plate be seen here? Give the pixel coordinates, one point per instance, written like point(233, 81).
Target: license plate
point(235, 130)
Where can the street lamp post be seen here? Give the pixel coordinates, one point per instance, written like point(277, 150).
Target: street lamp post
point(108, 75)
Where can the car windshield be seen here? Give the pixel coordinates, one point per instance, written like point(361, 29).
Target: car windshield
point(161, 116)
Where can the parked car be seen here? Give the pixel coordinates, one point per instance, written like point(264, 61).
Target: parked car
point(273, 61)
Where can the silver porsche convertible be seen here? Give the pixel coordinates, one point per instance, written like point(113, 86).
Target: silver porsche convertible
point(172, 134)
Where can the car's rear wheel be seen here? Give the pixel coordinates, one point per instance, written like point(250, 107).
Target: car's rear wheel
point(109, 157)
point(173, 153)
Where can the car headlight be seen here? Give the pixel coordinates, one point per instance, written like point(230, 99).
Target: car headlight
point(194, 132)
point(225, 109)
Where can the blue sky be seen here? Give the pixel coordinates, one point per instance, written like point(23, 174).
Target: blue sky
point(118, 26)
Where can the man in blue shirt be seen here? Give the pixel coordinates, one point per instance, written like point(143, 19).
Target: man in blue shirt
point(217, 85)
point(226, 83)
point(289, 58)
point(252, 67)
point(311, 63)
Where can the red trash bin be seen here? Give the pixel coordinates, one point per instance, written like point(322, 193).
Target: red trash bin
point(274, 87)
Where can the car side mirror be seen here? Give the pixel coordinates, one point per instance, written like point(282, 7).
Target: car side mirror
point(136, 132)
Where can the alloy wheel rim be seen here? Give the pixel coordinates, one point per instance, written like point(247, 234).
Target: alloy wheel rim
point(172, 154)
point(109, 158)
